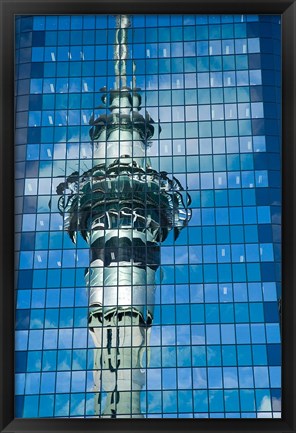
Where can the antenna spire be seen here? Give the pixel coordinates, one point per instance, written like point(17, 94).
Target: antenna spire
point(134, 76)
point(120, 50)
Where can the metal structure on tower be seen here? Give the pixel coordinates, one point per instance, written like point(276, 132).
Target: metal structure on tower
point(124, 209)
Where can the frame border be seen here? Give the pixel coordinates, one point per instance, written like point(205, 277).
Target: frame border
point(8, 10)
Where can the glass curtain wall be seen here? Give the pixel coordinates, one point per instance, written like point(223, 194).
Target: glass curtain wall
point(212, 83)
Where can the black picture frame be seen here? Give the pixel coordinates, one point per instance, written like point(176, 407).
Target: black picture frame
point(8, 10)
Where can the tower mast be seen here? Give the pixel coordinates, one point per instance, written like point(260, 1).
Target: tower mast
point(124, 209)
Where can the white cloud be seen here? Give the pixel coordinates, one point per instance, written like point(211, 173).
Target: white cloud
point(265, 409)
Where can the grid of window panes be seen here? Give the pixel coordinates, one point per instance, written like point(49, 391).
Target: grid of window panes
point(213, 83)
